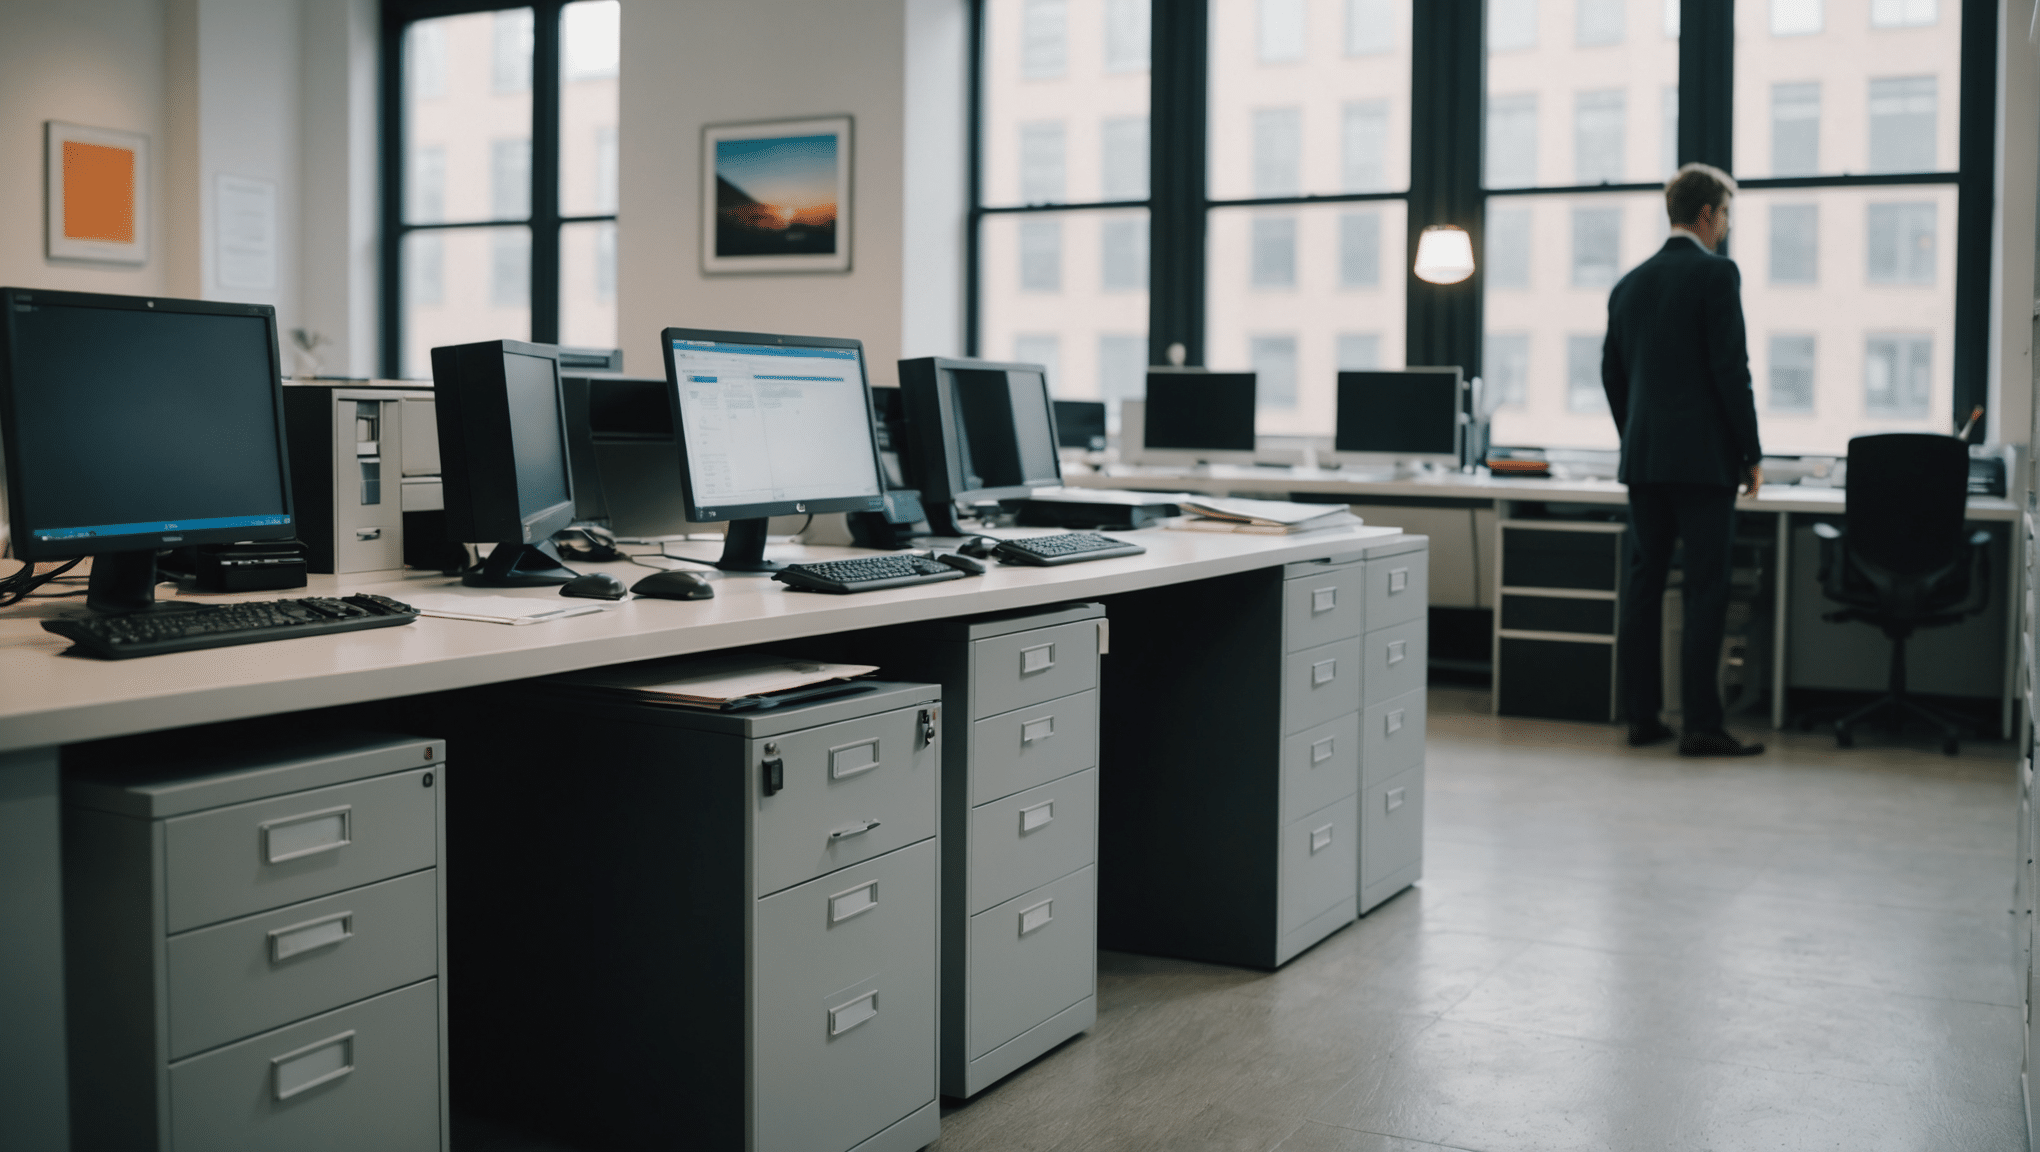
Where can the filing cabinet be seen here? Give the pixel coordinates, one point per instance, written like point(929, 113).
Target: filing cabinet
point(1248, 817)
point(1020, 780)
point(255, 954)
point(695, 929)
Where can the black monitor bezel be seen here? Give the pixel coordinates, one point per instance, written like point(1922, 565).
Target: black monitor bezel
point(1364, 455)
point(721, 513)
point(936, 438)
point(23, 541)
point(1104, 421)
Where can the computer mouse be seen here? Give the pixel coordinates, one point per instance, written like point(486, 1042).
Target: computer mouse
point(963, 564)
point(674, 585)
point(978, 546)
point(594, 586)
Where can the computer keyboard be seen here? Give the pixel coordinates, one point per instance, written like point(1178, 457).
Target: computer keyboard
point(866, 573)
point(116, 637)
point(1066, 548)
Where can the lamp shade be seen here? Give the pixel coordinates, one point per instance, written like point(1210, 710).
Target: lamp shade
point(1444, 254)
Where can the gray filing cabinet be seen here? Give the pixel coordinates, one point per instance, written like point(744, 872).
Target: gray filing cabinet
point(1019, 825)
point(1266, 737)
point(253, 941)
point(700, 929)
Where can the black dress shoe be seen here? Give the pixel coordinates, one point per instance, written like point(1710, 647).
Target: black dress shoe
point(1648, 733)
point(1715, 744)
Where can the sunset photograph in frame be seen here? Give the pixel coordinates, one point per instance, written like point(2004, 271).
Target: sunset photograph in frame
point(776, 196)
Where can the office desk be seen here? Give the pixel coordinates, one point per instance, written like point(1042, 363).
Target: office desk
point(48, 700)
point(1466, 490)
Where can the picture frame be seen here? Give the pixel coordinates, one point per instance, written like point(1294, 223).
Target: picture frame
point(97, 195)
point(775, 196)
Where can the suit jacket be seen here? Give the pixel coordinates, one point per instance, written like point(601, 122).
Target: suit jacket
point(1676, 367)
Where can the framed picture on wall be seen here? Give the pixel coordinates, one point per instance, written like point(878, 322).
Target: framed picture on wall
point(776, 196)
point(97, 194)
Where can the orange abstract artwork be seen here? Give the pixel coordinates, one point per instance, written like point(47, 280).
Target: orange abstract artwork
point(99, 192)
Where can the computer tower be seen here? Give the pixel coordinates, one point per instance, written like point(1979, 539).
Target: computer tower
point(364, 468)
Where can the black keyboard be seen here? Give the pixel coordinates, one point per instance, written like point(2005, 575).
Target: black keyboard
point(116, 637)
point(865, 573)
point(1067, 548)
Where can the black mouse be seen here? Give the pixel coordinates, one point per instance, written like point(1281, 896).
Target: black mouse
point(674, 586)
point(594, 586)
point(978, 546)
point(963, 564)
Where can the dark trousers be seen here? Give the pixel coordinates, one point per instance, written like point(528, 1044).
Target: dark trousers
point(1660, 515)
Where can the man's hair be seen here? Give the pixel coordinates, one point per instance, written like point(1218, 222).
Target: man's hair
point(1696, 186)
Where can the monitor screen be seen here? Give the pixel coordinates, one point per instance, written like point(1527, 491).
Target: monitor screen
point(1080, 423)
point(538, 443)
point(774, 424)
point(1408, 413)
point(1005, 435)
point(131, 427)
point(1200, 411)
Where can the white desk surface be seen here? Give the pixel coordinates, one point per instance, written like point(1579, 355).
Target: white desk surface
point(1219, 479)
point(47, 698)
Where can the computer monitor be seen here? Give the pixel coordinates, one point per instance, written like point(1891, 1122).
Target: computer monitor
point(770, 426)
point(131, 424)
point(980, 430)
point(1196, 417)
point(1080, 424)
point(503, 451)
point(1399, 417)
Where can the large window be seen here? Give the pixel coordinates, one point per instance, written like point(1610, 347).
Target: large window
point(500, 170)
point(1270, 161)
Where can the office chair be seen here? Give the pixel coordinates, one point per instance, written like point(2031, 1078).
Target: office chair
point(1901, 561)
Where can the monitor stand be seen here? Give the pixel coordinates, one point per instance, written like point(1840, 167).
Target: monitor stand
point(126, 582)
point(744, 548)
point(513, 564)
point(942, 519)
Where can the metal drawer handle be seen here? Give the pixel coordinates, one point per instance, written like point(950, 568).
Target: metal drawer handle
point(1324, 671)
point(313, 1065)
point(1398, 579)
point(1323, 600)
point(307, 834)
point(1320, 839)
point(1037, 917)
point(1397, 650)
point(855, 902)
point(299, 939)
point(1395, 721)
point(844, 1017)
point(1039, 658)
point(1322, 750)
point(857, 829)
point(847, 760)
point(1395, 798)
point(1037, 817)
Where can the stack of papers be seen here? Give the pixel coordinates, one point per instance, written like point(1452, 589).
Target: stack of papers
point(1264, 517)
point(499, 609)
point(724, 680)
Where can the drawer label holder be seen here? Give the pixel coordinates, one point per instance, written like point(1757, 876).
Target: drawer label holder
point(298, 939)
point(312, 1065)
point(1038, 917)
point(1037, 817)
point(307, 834)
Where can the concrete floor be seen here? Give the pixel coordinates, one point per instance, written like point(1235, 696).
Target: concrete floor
point(1609, 950)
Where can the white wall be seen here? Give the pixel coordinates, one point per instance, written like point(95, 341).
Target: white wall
point(338, 172)
point(936, 209)
point(2013, 285)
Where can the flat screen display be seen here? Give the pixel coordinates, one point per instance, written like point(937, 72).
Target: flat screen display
point(538, 442)
point(132, 423)
point(1005, 436)
point(771, 424)
point(1411, 413)
point(1200, 411)
point(1080, 423)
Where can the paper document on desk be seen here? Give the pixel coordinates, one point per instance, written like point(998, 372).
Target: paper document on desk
point(1341, 519)
point(714, 681)
point(499, 609)
point(1277, 515)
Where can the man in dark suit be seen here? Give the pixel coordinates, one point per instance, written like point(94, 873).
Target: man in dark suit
point(1676, 367)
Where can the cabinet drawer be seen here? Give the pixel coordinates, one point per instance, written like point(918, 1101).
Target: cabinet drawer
point(235, 979)
point(1318, 866)
point(1320, 684)
point(1008, 672)
point(1392, 825)
point(1032, 957)
point(231, 861)
point(844, 988)
point(1033, 745)
point(366, 1076)
point(1398, 588)
point(1396, 660)
point(839, 779)
point(1324, 606)
point(1319, 765)
point(1392, 737)
point(1030, 838)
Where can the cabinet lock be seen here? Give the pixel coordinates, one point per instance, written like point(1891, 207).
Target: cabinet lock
point(927, 721)
point(775, 774)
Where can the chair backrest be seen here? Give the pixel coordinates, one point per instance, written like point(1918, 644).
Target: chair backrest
point(1906, 500)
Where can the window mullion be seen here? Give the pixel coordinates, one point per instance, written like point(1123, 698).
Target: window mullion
point(1707, 85)
point(545, 172)
point(1447, 92)
point(1178, 103)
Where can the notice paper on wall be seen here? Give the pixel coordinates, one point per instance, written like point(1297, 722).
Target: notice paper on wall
point(244, 232)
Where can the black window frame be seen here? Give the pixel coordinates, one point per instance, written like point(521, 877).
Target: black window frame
point(1448, 94)
point(545, 221)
